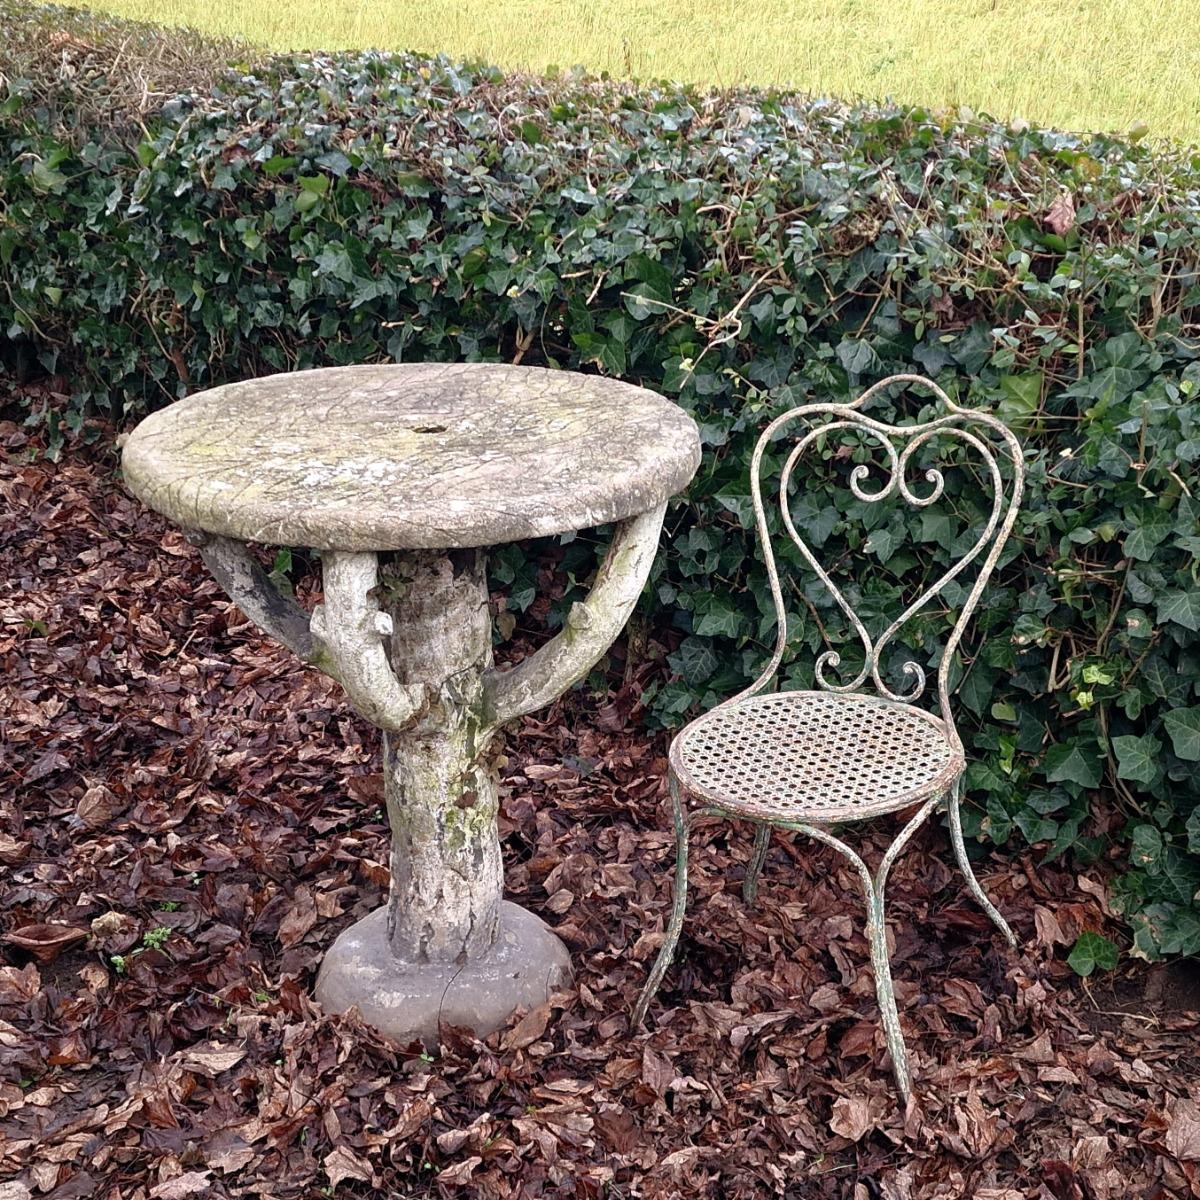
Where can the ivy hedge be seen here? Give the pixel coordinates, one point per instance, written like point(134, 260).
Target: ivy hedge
point(741, 253)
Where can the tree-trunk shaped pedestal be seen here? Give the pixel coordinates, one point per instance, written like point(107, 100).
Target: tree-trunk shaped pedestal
point(401, 476)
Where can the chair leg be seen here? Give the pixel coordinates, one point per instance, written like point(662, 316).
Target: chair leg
point(873, 889)
point(675, 924)
point(762, 839)
point(885, 992)
point(960, 852)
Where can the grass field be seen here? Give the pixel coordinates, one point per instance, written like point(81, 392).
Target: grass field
point(1078, 64)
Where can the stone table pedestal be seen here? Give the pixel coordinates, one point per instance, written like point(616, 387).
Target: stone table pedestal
point(401, 476)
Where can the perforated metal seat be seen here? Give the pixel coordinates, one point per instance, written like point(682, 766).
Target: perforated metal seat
point(818, 757)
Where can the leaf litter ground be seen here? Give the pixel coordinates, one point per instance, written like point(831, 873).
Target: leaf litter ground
point(187, 818)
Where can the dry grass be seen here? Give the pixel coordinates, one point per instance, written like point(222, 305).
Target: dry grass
point(82, 67)
point(1079, 64)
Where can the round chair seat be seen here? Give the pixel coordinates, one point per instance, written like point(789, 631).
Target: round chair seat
point(815, 757)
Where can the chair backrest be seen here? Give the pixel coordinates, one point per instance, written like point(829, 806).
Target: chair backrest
point(983, 433)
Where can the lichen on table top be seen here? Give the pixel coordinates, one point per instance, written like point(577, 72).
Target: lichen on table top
point(432, 456)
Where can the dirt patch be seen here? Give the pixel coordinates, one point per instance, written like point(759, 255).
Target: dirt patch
point(1157, 995)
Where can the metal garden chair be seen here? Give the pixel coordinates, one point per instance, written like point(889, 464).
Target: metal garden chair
point(812, 760)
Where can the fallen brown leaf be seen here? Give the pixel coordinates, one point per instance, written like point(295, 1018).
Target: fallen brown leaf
point(1183, 1132)
point(45, 941)
point(341, 1163)
point(528, 1029)
point(851, 1117)
point(190, 1183)
point(211, 1058)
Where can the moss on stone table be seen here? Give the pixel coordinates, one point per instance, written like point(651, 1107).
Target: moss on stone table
point(399, 457)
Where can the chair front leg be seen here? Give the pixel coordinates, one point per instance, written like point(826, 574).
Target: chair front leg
point(873, 887)
point(675, 924)
point(762, 839)
point(960, 853)
point(885, 992)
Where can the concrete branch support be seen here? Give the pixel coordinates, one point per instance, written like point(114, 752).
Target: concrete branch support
point(446, 925)
point(590, 629)
point(446, 946)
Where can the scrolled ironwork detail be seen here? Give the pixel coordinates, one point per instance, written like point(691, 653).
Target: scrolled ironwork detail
point(982, 433)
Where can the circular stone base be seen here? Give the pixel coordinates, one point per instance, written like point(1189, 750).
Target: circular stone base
point(406, 1000)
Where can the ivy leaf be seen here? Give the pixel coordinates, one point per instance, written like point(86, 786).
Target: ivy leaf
point(1137, 757)
point(1036, 829)
point(1181, 934)
point(1182, 607)
point(1151, 525)
point(641, 302)
point(973, 348)
point(881, 542)
point(997, 824)
point(1137, 624)
point(46, 178)
point(275, 165)
point(335, 260)
point(857, 356)
point(1146, 847)
point(1110, 386)
point(1073, 762)
point(814, 521)
point(695, 660)
point(1176, 879)
point(1193, 830)
point(1166, 683)
point(1090, 951)
point(474, 261)
point(734, 498)
point(335, 161)
point(976, 690)
point(1183, 726)
point(936, 527)
point(1022, 394)
point(1149, 924)
point(715, 616)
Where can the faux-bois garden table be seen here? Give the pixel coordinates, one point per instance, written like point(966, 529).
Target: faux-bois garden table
point(402, 476)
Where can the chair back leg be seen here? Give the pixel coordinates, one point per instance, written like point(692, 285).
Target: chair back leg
point(679, 905)
point(960, 853)
point(762, 839)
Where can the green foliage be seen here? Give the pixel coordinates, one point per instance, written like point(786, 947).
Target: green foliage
point(152, 939)
point(1091, 950)
point(155, 939)
point(740, 253)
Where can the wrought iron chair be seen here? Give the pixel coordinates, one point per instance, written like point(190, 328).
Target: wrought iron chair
point(810, 760)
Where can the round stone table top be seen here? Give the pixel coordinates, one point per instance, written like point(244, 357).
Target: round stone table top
point(433, 456)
